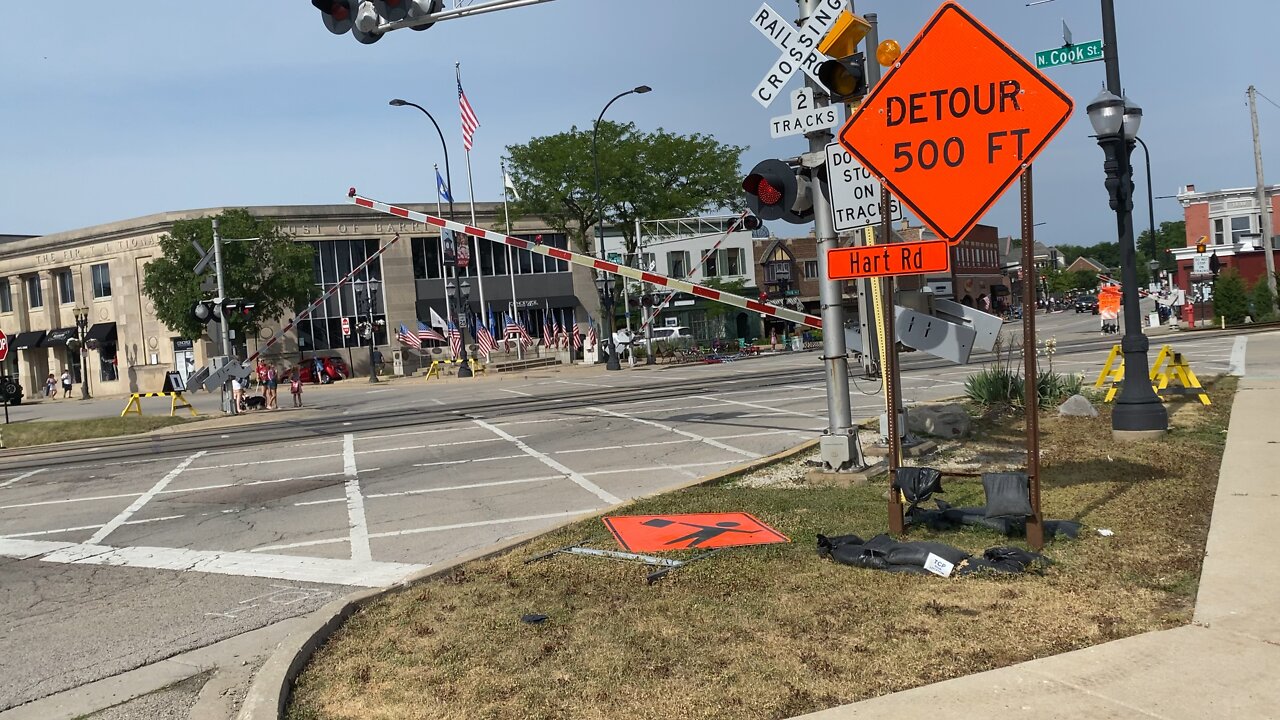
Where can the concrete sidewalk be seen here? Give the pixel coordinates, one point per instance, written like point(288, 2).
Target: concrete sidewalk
point(1225, 664)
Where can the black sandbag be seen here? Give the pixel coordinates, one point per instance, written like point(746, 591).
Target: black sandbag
point(1008, 494)
point(1012, 559)
point(946, 517)
point(827, 544)
point(917, 484)
point(917, 553)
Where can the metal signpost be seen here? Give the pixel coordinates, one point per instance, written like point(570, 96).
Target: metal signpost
point(948, 138)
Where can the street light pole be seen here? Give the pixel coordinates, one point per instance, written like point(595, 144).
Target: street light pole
point(1151, 208)
point(1139, 413)
point(82, 323)
point(607, 294)
point(462, 293)
point(370, 302)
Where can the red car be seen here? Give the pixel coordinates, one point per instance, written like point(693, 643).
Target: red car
point(332, 368)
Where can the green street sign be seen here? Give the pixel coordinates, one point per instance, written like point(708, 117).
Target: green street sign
point(1070, 54)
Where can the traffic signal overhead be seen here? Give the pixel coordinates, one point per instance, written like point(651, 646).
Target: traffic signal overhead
point(776, 191)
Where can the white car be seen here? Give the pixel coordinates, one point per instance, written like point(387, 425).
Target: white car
point(676, 334)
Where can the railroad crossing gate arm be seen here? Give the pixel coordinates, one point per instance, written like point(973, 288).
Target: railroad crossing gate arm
point(676, 284)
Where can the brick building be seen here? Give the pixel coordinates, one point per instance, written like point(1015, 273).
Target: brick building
point(1231, 225)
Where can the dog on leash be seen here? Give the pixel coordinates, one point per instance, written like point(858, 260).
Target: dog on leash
point(255, 402)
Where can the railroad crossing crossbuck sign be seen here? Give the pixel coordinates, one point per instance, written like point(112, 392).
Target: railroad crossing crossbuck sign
point(953, 124)
point(798, 46)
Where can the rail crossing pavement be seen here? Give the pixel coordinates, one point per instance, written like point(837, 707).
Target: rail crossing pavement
point(122, 562)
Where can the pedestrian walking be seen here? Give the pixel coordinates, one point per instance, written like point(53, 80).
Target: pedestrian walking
point(272, 384)
point(295, 387)
point(50, 386)
point(237, 395)
point(66, 384)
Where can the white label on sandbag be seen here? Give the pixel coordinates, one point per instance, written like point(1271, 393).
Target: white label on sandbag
point(938, 566)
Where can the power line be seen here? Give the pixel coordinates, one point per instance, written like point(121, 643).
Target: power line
point(1264, 97)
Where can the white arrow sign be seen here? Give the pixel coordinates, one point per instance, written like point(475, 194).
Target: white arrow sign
point(804, 116)
point(855, 193)
point(798, 46)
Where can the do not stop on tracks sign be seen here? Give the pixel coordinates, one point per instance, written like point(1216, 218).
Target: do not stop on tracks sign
point(955, 121)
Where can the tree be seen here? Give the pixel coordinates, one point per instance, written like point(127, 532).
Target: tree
point(1229, 300)
point(1262, 302)
point(273, 272)
point(642, 176)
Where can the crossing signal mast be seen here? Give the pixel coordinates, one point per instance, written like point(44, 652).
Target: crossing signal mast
point(369, 20)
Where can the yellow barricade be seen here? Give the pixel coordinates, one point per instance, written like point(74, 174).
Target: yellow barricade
point(177, 401)
point(477, 368)
point(1171, 374)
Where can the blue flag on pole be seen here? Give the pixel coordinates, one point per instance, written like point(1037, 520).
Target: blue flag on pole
point(442, 188)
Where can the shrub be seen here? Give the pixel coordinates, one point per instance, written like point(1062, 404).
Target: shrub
point(1229, 300)
point(1262, 302)
point(998, 385)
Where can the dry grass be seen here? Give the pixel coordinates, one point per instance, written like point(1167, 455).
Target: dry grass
point(773, 631)
point(43, 432)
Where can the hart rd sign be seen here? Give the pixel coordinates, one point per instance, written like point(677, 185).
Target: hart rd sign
point(849, 263)
point(948, 136)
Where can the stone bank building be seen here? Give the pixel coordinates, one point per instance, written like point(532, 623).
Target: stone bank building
point(95, 274)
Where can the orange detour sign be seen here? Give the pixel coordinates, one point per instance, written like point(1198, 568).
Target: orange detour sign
point(655, 533)
point(898, 259)
point(953, 123)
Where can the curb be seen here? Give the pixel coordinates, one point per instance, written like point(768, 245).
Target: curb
point(272, 684)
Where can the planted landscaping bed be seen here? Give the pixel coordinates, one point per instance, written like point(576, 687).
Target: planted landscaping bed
point(774, 631)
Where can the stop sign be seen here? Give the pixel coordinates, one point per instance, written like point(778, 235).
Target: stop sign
point(4, 346)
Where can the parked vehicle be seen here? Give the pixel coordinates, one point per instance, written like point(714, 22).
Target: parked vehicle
point(1087, 303)
point(334, 368)
point(672, 334)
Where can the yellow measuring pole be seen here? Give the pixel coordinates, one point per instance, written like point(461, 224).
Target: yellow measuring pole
point(876, 293)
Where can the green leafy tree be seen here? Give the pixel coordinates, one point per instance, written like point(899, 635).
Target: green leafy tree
point(1262, 302)
point(718, 314)
point(273, 272)
point(642, 176)
point(1229, 298)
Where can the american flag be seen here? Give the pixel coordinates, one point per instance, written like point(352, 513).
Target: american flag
point(469, 120)
point(484, 340)
point(455, 341)
point(516, 329)
point(591, 334)
point(548, 335)
point(425, 333)
point(407, 338)
point(562, 338)
point(576, 337)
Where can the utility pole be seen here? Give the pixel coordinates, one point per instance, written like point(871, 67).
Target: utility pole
point(839, 444)
point(1264, 207)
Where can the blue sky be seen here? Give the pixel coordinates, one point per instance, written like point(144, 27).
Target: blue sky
point(154, 106)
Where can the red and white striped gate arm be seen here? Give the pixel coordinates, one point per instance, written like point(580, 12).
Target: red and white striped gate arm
point(293, 321)
point(592, 262)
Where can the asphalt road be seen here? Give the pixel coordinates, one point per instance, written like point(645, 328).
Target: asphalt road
point(124, 552)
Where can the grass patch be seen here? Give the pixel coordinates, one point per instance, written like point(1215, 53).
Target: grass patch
point(773, 631)
point(43, 432)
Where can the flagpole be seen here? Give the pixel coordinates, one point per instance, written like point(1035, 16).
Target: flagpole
point(444, 280)
point(475, 242)
point(511, 271)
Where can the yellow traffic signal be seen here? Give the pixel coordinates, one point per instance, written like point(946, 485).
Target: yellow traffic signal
point(1201, 245)
point(843, 37)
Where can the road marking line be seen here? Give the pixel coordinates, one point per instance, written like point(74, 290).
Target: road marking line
point(472, 460)
point(415, 432)
point(799, 432)
point(423, 447)
point(547, 460)
point(356, 521)
point(371, 392)
point(23, 476)
point(757, 406)
point(439, 489)
point(620, 447)
point(527, 422)
point(297, 568)
point(1236, 366)
point(263, 462)
point(173, 492)
point(651, 468)
point(88, 527)
point(668, 428)
point(571, 382)
point(142, 500)
point(437, 401)
point(516, 392)
point(417, 531)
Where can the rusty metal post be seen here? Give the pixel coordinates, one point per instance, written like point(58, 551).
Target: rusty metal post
point(892, 388)
point(1035, 523)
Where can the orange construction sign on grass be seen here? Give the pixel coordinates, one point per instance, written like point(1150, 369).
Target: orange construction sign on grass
point(913, 258)
point(655, 533)
point(955, 121)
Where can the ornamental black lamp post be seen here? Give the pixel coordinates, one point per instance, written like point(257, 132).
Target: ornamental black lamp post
point(82, 324)
point(461, 294)
point(595, 161)
point(1139, 413)
point(367, 301)
point(604, 286)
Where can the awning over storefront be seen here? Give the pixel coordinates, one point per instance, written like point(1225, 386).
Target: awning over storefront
point(59, 337)
point(102, 332)
point(27, 340)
